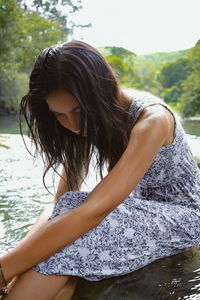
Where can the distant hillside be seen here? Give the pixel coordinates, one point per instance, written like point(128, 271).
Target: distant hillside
point(153, 60)
point(142, 71)
point(160, 58)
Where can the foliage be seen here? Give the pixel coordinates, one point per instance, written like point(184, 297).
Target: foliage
point(171, 76)
point(27, 29)
point(24, 32)
point(13, 85)
point(116, 51)
point(9, 29)
point(174, 72)
point(161, 58)
point(147, 74)
point(180, 82)
point(148, 68)
point(122, 62)
point(37, 33)
point(172, 94)
point(119, 66)
point(57, 10)
point(190, 98)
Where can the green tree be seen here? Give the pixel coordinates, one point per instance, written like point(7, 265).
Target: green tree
point(12, 88)
point(59, 11)
point(190, 98)
point(174, 72)
point(10, 15)
point(24, 32)
point(122, 61)
point(36, 34)
point(118, 66)
point(117, 51)
point(171, 77)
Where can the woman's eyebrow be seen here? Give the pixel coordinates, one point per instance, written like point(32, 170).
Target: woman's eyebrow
point(78, 106)
point(56, 112)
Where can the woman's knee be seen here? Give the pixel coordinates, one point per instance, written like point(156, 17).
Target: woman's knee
point(33, 285)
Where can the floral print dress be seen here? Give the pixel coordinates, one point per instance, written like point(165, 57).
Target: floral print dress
point(161, 216)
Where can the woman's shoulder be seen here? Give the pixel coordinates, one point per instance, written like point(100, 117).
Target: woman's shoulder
point(140, 101)
point(142, 98)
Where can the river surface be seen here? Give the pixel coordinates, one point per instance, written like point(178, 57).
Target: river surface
point(23, 197)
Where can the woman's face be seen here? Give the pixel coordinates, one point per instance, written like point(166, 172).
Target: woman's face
point(66, 110)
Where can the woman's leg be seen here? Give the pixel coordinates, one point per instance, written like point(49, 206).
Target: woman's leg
point(34, 285)
point(68, 290)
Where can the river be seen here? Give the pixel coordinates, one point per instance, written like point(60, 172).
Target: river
point(23, 197)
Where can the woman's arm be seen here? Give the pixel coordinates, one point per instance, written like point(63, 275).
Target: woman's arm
point(61, 189)
point(43, 218)
point(146, 139)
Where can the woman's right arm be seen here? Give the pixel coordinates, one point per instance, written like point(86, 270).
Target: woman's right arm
point(43, 218)
point(61, 189)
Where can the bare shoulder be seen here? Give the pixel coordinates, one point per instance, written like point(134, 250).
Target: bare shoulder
point(156, 119)
point(157, 111)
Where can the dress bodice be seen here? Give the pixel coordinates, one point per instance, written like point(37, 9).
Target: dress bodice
point(174, 166)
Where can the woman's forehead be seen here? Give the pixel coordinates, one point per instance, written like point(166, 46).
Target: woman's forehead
point(61, 98)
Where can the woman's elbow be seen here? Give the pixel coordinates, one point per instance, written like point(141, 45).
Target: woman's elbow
point(97, 215)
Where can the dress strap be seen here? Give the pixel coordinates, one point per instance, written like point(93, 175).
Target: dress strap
point(141, 100)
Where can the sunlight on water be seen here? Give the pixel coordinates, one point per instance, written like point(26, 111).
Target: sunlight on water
point(23, 195)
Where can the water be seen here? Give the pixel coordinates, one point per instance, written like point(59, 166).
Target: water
point(192, 127)
point(23, 197)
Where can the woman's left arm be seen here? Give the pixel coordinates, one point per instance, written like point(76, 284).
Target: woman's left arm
point(147, 137)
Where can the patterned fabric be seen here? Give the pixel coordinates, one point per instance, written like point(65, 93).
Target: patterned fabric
point(161, 216)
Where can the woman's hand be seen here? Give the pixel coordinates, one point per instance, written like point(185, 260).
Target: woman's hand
point(4, 291)
point(3, 284)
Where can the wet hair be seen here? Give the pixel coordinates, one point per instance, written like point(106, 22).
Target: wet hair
point(82, 71)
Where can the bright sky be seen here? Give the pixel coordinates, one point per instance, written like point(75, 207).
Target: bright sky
point(142, 26)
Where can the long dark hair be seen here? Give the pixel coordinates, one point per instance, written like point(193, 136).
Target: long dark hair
point(82, 71)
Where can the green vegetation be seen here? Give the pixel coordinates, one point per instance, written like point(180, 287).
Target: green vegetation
point(25, 31)
point(172, 76)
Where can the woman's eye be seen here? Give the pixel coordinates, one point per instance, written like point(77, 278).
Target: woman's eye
point(57, 114)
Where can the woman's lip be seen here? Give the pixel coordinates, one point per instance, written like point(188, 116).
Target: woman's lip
point(78, 132)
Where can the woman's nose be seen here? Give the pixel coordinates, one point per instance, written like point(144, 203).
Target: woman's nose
point(74, 123)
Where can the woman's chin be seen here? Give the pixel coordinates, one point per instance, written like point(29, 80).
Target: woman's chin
point(79, 133)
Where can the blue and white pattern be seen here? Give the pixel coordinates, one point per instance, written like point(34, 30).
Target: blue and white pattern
point(161, 216)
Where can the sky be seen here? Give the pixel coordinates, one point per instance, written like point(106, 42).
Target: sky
point(141, 26)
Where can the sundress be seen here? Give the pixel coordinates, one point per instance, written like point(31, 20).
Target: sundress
point(160, 218)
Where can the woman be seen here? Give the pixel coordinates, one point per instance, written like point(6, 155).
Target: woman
point(148, 205)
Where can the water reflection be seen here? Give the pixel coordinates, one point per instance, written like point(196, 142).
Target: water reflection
point(191, 127)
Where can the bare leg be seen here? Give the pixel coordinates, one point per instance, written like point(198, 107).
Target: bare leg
point(67, 292)
point(33, 285)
